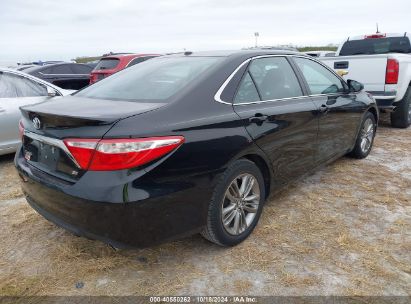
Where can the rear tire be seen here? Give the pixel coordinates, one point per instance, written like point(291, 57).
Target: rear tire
point(236, 204)
point(401, 117)
point(365, 138)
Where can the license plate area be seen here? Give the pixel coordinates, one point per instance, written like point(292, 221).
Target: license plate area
point(50, 159)
point(42, 153)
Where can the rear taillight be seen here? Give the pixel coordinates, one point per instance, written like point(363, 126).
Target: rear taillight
point(393, 69)
point(21, 129)
point(118, 154)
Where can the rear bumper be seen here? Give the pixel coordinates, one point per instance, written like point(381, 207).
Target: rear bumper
point(384, 99)
point(132, 224)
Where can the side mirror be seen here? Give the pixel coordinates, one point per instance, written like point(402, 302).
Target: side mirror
point(51, 92)
point(355, 86)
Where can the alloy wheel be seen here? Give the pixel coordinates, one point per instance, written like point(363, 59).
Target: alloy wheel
point(240, 204)
point(367, 135)
point(409, 112)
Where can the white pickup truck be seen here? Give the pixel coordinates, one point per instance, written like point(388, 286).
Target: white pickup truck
point(382, 63)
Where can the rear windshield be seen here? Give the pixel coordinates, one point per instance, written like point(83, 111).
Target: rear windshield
point(376, 46)
point(156, 79)
point(108, 63)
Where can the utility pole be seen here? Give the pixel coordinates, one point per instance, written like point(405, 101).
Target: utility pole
point(256, 35)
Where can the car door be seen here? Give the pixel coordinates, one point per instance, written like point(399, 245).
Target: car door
point(278, 115)
point(15, 91)
point(340, 111)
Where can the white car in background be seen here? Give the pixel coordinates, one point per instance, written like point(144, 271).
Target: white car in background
point(19, 89)
point(382, 62)
point(320, 53)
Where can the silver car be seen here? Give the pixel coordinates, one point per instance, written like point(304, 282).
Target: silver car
point(18, 89)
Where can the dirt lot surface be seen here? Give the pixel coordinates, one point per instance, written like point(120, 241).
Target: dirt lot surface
point(345, 230)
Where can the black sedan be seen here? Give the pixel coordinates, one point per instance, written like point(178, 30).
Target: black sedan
point(66, 75)
point(188, 143)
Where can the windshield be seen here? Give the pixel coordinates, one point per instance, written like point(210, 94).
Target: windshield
point(155, 79)
point(376, 46)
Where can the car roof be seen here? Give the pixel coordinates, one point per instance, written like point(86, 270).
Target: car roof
point(46, 66)
point(235, 53)
point(24, 74)
point(125, 56)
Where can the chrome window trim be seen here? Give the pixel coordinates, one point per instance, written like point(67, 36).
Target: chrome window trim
point(36, 80)
point(44, 74)
point(52, 142)
point(217, 96)
point(270, 100)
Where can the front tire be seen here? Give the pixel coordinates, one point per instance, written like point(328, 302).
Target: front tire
point(401, 117)
point(365, 138)
point(236, 204)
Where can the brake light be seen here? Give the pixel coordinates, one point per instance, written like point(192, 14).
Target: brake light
point(118, 154)
point(21, 129)
point(393, 69)
point(373, 36)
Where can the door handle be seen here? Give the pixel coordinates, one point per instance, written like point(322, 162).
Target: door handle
point(2, 110)
point(324, 109)
point(258, 118)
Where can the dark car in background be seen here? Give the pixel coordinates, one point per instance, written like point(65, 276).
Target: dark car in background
point(69, 76)
point(108, 65)
point(188, 143)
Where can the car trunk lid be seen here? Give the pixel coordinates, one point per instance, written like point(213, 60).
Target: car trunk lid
point(47, 124)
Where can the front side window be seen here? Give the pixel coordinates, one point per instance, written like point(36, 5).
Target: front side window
point(319, 79)
point(157, 79)
point(274, 79)
point(17, 86)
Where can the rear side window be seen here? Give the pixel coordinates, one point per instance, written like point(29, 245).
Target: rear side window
point(107, 63)
point(17, 86)
point(80, 69)
point(58, 69)
point(274, 79)
point(136, 60)
point(247, 92)
point(319, 79)
point(154, 80)
point(139, 60)
point(376, 46)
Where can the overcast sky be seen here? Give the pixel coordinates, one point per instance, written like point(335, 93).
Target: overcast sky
point(61, 30)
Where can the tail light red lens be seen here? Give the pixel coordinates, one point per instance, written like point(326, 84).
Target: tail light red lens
point(21, 129)
point(393, 69)
point(118, 154)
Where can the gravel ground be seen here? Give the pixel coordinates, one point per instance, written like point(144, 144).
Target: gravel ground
point(346, 230)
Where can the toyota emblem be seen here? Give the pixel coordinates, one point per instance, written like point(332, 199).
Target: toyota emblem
point(36, 123)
